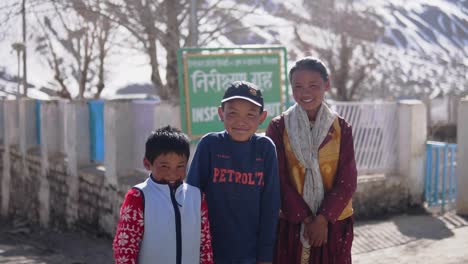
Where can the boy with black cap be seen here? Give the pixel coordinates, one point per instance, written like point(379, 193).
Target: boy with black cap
point(238, 172)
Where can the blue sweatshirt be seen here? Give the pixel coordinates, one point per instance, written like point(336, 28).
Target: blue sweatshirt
point(240, 180)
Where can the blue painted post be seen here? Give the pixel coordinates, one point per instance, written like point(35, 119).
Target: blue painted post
point(428, 172)
point(38, 121)
point(96, 126)
point(444, 178)
point(453, 175)
point(436, 178)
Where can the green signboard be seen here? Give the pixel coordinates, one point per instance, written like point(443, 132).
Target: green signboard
point(204, 75)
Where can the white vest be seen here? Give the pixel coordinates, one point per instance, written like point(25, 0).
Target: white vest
point(159, 244)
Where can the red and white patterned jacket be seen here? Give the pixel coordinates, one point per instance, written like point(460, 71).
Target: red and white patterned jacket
point(130, 230)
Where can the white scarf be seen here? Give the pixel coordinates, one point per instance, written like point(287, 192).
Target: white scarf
point(305, 144)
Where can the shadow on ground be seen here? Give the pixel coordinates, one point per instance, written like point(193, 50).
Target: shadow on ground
point(403, 229)
point(423, 227)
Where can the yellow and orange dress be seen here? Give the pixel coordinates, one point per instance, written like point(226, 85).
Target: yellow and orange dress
point(339, 175)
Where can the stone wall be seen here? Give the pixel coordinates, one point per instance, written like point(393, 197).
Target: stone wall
point(91, 190)
point(57, 185)
point(379, 195)
point(33, 165)
point(23, 188)
point(18, 195)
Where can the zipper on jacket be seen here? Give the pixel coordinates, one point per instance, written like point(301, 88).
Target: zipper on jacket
point(175, 204)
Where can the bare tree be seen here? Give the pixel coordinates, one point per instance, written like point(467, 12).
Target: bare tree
point(160, 27)
point(100, 42)
point(104, 29)
point(25, 51)
point(9, 12)
point(78, 43)
point(81, 34)
point(349, 72)
point(350, 59)
point(85, 38)
point(163, 26)
point(46, 48)
point(103, 37)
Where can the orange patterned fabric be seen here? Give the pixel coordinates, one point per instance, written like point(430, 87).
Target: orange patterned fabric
point(340, 172)
point(329, 153)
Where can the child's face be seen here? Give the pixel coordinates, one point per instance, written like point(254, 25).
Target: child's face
point(309, 89)
point(241, 118)
point(170, 167)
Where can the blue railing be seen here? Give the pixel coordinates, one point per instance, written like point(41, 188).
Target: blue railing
point(440, 183)
point(96, 129)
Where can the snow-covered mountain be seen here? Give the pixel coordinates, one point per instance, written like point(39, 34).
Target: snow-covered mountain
point(425, 26)
point(420, 46)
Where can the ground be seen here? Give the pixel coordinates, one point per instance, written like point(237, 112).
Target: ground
point(422, 238)
point(20, 243)
point(415, 239)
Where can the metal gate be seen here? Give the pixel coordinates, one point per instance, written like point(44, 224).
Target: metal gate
point(440, 181)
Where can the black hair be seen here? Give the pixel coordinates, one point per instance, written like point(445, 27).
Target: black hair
point(166, 140)
point(310, 64)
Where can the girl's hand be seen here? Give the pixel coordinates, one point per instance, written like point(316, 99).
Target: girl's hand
point(316, 230)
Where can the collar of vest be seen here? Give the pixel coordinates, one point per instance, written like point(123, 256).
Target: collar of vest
point(164, 182)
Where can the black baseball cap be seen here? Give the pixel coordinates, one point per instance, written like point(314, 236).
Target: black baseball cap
point(244, 90)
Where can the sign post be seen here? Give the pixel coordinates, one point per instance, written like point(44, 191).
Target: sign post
point(204, 75)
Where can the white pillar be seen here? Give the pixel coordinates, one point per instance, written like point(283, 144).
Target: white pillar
point(52, 119)
point(10, 120)
point(2, 149)
point(77, 148)
point(118, 124)
point(144, 116)
point(27, 175)
point(167, 114)
point(27, 125)
point(412, 136)
point(462, 158)
point(2, 123)
point(29, 108)
point(119, 157)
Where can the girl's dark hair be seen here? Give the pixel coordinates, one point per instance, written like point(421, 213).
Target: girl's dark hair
point(166, 140)
point(311, 64)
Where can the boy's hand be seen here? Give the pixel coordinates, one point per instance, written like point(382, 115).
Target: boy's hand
point(316, 230)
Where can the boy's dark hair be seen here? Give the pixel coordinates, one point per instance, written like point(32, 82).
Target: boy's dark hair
point(311, 64)
point(166, 140)
point(245, 91)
